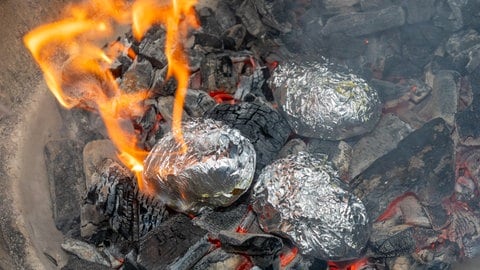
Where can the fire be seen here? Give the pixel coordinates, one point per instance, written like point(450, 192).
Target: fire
point(76, 69)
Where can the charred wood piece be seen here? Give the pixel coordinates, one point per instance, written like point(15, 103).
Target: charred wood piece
point(264, 126)
point(116, 198)
point(250, 244)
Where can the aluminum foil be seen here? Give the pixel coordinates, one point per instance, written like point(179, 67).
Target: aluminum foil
point(301, 197)
point(217, 168)
point(320, 102)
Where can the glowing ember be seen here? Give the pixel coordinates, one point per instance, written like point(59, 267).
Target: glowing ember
point(89, 83)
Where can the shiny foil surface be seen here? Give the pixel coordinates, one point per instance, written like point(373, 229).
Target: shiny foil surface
point(302, 198)
point(320, 102)
point(217, 168)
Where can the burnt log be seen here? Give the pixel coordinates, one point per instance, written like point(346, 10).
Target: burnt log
point(264, 126)
point(114, 202)
point(422, 163)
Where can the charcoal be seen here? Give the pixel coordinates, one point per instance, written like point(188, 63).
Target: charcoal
point(218, 72)
point(66, 182)
point(247, 12)
point(343, 47)
point(293, 146)
point(197, 103)
point(208, 41)
point(115, 195)
point(250, 244)
point(193, 254)
point(219, 259)
point(168, 242)
point(419, 11)
point(273, 14)
point(465, 123)
point(264, 126)
point(120, 65)
point(422, 163)
point(359, 24)
point(227, 219)
point(392, 244)
point(339, 6)
point(463, 48)
point(138, 76)
point(384, 138)
point(225, 15)
point(251, 86)
point(75, 263)
point(152, 48)
point(444, 97)
point(366, 5)
point(449, 15)
point(89, 253)
point(208, 21)
point(94, 153)
point(236, 34)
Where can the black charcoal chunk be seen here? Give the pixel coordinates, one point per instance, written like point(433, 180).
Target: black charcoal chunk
point(168, 242)
point(364, 23)
point(264, 126)
point(250, 244)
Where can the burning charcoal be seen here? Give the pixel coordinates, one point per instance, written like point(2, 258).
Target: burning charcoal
point(273, 14)
point(218, 72)
point(66, 182)
point(197, 103)
point(250, 244)
point(168, 242)
point(364, 23)
point(464, 228)
point(422, 163)
point(152, 47)
point(115, 196)
point(138, 76)
point(302, 197)
point(250, 85)
point(215, 170)
point(339, 154)
point(384, 138)
point(398, 241)
point(226, 220)
point(219, 259)
point(449, 15)
point(264, 126)
point(322, 103)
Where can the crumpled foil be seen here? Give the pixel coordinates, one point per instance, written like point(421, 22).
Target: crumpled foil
point(217, 168)
point(320, 102)
point(301, 197)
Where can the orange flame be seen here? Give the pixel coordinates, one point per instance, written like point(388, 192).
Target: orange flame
point(76, 70)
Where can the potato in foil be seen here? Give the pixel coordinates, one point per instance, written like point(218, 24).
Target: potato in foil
point(302, 198)
point(320, 102)
point(215, 170)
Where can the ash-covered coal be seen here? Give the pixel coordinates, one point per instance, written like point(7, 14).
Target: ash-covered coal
point(302, 197)
point(320, 102)
point(215, 170)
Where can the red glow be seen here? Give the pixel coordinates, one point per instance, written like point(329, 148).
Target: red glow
point(222, 97)
point(355, 265)
point(392, 208)
point(245, 265)
point(287, 258)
